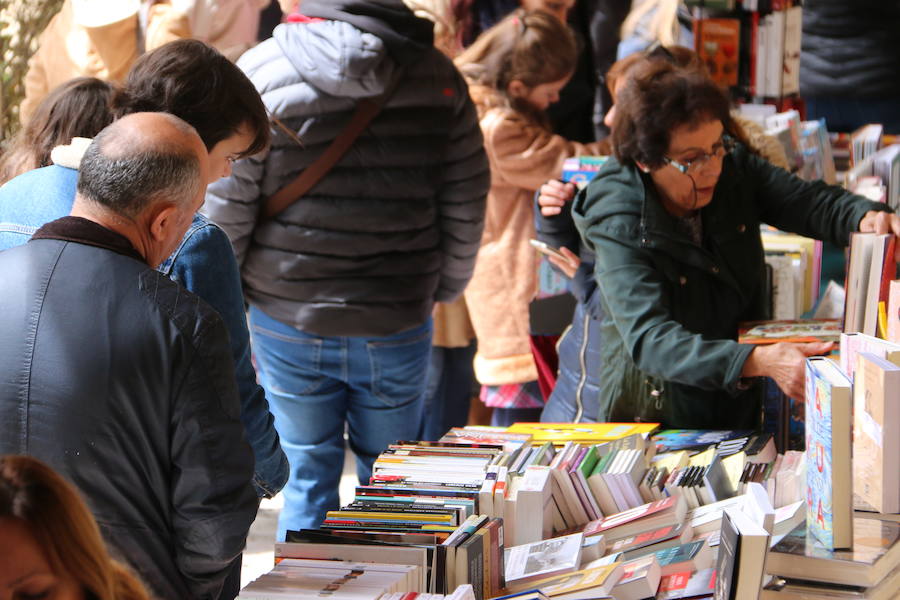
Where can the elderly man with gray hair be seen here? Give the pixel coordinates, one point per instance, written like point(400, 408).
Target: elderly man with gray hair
point(121, 379)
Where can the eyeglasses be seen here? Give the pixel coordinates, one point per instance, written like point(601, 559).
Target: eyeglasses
point(690, 167)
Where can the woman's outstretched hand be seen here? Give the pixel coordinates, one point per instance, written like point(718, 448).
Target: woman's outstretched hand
point(785, 363)
point(553, 196)
point(877, 221)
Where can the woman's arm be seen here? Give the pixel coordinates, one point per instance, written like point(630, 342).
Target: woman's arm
point(636, 295)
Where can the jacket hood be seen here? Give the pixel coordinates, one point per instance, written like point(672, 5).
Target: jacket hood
point(404, 34)
point(356, 50)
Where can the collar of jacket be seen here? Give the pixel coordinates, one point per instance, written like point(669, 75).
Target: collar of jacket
point(83, 231)
point(659, 229)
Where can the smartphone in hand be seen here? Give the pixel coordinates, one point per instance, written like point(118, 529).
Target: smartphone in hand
point(544, 248)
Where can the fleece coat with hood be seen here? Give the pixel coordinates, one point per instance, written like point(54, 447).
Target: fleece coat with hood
point(395, 225)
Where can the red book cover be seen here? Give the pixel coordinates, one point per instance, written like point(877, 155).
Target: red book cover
point(633, 514)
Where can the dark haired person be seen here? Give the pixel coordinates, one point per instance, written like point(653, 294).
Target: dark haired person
point(225, 109)
point(673, 221)
point(119, 378)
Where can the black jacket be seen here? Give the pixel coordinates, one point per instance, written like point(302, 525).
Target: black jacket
point(850, 48)
point(123, 382)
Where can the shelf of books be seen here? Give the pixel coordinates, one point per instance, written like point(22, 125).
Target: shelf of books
point(562, 511)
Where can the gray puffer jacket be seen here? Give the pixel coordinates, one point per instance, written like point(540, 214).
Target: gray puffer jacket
point(850, 48)
point(396, 224)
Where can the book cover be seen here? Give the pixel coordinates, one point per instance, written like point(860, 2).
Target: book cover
point(670, 440)
point(790, 330)
point(539, 560)
point(701, 584)
point(876, 423)
point(560, 433)
point(671, 509)
point(671, 535)
point(829, 493)
point(717, 43)
point(640, 579)
point(693, 556)
point(587, 583)
point(741, 559)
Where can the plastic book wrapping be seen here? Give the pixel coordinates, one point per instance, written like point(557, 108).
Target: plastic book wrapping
point(828, 474)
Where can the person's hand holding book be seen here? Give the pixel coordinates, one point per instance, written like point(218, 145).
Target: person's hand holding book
point(877, 221)
point(785, 363)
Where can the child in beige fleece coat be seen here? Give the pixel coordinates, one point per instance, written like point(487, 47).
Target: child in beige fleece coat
point(515, 71)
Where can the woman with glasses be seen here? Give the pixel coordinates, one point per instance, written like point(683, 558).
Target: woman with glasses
point(673, 221)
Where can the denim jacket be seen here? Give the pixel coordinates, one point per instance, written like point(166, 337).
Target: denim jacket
point(203, 263)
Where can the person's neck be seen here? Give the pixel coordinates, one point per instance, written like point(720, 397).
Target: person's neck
point(117, 223)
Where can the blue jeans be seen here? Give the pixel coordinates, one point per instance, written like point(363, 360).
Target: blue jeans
point(316, 385)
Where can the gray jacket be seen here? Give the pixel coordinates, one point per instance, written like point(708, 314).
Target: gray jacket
point(397, 223)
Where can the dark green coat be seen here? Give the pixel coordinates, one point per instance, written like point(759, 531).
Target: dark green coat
point(669, 349)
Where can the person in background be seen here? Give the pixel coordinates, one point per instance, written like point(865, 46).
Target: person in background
point(577, 392)
point(50, 545)
point(849, 62)
point(665, 22)
point(673, 221)
point(228, 114)
point(342, 282)
point(79, 107)
point(130, 390)
point(515, 71)
point(96, 38)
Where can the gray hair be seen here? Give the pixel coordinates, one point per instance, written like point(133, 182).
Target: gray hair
point(126, 177)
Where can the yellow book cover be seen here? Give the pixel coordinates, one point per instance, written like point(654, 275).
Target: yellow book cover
point(599, 580)
point(560, 433)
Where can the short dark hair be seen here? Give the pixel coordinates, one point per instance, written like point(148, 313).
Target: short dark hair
point(193, 81)
point(127, 179)
point(658, 98)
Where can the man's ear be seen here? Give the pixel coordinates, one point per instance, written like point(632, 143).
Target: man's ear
point(642, 166)
point(517, 89)
point(162, 219)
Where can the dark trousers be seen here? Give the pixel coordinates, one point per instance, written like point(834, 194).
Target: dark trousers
point(451, 384)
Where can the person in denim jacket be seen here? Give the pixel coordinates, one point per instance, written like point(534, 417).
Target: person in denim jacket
point(232, 122)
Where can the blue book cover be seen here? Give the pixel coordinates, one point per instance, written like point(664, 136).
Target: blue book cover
point(828, 484)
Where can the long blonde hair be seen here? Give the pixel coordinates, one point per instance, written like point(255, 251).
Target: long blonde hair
point(664, 26)
point(64, 528)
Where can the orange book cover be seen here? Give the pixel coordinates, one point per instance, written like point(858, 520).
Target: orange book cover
point(718, 41)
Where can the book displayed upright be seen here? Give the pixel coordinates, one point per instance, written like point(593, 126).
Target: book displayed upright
point(829, 481)
point(742, 556)
point(876, 433)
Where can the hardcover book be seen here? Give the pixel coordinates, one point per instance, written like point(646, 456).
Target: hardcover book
point(829, 417)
